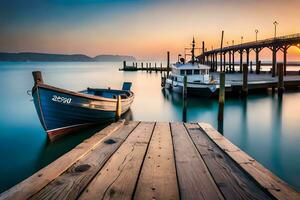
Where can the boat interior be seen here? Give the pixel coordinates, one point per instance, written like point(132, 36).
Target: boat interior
point(107, 93)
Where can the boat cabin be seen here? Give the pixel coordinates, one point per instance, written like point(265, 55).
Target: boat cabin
point(194, 72)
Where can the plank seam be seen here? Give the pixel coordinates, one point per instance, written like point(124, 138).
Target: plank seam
point(7, 194)
point(174, 156)
point(188, 133)
point(141, 167)
point(99, 142)
point(264, 189)
point(79, 194)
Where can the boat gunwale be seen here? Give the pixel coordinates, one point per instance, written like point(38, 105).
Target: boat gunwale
point(78, 94)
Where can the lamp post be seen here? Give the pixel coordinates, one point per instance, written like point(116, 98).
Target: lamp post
point(256, 32)
point(275, 27)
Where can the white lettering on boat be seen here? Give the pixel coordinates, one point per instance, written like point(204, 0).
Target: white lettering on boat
point(60, 99)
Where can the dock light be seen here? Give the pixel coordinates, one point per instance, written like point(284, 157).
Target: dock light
point(256, 32)
point(275, 27)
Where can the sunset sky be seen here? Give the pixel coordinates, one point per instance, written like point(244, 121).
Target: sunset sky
point(145, 29)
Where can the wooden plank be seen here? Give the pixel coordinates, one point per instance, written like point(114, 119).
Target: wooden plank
point(72, 182)
point(158, 176)
point(273, 184)
point(40, 179)
point(117, 179)
point(195, 181)
point(233, 182)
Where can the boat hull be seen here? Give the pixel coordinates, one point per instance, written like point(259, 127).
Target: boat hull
point(62, 112)
point(203, 91)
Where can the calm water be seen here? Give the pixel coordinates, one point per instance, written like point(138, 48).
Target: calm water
point(264, 126)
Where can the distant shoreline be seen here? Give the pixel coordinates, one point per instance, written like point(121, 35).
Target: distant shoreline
point(46, 57)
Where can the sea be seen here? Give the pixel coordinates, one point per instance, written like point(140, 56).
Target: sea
point(263, 125)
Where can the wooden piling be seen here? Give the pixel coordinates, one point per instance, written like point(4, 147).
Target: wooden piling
point(251, 70)
point(118, 108)
point(221, 96)
point(245, 80)
point(241, 61)
point(184, 95)
point(280, 78)
point(124, 64)
point(37, 76)
point(258, 64)
point(142, 65)
point(168, 63)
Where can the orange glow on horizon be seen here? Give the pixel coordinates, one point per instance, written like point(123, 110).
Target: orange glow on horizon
point(149, 32)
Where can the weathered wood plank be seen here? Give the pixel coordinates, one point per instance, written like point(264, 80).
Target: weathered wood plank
point(158, 176)
point(117, 179)
point(73, 181)
point(233, 182)
point(273, 184)
point(195, 181)
point(40, 179)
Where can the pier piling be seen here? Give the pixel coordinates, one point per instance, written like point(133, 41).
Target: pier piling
point(221, 96)
point(168, 63)
point(118, 108)
point(184, 95)
point(245, 80)
point(280, 78)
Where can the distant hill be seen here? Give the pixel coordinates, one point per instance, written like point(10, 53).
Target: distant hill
point(45, 57)
point(108, 58)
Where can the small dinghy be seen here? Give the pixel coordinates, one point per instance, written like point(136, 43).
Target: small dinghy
point(62, 111)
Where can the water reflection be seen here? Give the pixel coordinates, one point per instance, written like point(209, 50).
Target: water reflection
point(264, 126)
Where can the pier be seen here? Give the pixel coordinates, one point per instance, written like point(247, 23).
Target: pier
point(154, 160)
point(275, 44)
point(144, 66)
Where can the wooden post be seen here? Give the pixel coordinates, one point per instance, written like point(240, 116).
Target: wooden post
point(229, 59)
point(257, 61)
point(241, 61)
point(203, 48)
point(155, 67)
point(184, 95)
point(284, 60)
point(37, 77)
point(118, 108)
point(161, 67)
point(233, 70)
point(221, 96)
point(124, 64)
point(142, 65)
point(251, 71)
point(222, 37)
point(245, 80)
point(247, 56)
point(168, 63)
point(258, 67)
point(224, 61)
point(274, 61)
point(280, 78)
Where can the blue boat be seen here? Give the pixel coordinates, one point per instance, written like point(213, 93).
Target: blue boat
point(62, 111)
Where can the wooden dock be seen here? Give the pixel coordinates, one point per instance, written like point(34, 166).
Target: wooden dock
point(148, 160)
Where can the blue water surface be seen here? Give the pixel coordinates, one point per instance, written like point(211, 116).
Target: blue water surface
point(265, 127)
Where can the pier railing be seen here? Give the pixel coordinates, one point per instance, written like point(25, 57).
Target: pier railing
point(259, 43)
